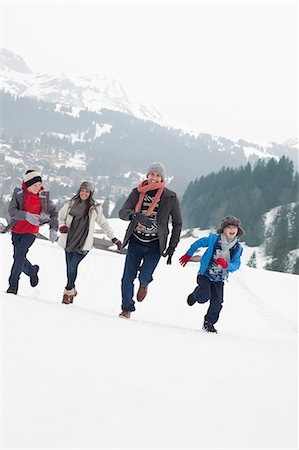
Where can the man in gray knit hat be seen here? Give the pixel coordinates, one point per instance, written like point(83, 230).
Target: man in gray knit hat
point(148, 208)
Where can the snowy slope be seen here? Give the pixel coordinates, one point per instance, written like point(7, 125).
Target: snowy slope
point(77, 376)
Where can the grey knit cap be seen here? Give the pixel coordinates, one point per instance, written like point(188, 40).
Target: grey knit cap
point(156, 167)
point(87, 185)
point(231, 221)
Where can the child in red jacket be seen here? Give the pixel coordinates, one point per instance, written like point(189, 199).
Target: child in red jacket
point(28, 209)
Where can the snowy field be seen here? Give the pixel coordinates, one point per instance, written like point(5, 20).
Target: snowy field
point(77, 376)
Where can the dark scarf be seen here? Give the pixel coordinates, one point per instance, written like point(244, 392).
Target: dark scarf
point(79, 228)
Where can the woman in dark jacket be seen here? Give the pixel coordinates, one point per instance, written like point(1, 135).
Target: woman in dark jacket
point(149, 208)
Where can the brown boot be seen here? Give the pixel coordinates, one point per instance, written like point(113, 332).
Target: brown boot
point(125, 314)
point(141, 294)
point(68, 296)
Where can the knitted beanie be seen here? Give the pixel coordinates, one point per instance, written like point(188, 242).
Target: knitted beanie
point(87, 185)
point(157, 167)
point(231, 221)
point(31, 177)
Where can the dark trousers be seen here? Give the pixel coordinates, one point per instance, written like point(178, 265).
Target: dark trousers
point(21, 244)
point(142, 258)
point(209, 290)
point(72, 262)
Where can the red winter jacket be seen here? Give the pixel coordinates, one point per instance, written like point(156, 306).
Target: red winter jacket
point(33, 205)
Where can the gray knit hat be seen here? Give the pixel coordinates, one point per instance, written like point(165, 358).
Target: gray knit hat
point(156, 167)
point(231, 221)
point(31, 177)
point(87, 185)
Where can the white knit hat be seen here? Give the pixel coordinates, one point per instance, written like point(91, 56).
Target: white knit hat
point(31, 177)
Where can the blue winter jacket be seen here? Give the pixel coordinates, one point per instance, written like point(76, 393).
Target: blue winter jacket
point(236, 252)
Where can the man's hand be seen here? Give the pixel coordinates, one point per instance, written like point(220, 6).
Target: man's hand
point(169, 252)
point(142, 219)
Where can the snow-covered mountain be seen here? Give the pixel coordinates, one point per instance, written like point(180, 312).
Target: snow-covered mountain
point(80, 92)
point(78, 376)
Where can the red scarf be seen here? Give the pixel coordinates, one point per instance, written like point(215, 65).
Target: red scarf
point(144, 187)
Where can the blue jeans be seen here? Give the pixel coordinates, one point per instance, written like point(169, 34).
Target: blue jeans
point(72, 262)
point(209, 290)
point(142, 258)
point(21, 244)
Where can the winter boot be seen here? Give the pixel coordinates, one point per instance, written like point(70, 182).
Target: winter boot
point(34, 279)
point(141, 294)
point(12, 290)
point(191, 300)
point(68, 296)
point(209, 327)
point(125, 314)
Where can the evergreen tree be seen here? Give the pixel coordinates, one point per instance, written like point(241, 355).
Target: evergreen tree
point(277, 247)
point(252, 260)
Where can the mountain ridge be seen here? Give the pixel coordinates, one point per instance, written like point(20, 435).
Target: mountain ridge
point(84, 92)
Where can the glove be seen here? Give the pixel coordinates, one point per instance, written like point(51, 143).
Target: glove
point(53, 235)
point(169, 252)
point(142, 219)
point(64, 229)
point(184, 259)
point(32, 218)
point(118, 243)
point(221, 262)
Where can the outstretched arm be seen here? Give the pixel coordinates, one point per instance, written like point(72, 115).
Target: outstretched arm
point(202, 242)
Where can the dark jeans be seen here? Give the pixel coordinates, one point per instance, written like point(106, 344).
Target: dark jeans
point(21, 244)
point(72, 262)
point(209, 290)
point(138, 253)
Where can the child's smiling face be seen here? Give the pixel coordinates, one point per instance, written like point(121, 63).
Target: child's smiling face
point(35, 188)
point(230, 232)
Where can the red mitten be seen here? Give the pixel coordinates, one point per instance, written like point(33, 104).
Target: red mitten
point(64, 229)
point(221, 262)
point(184, 259)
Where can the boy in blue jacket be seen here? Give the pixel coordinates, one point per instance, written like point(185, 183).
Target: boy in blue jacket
point(221, 257)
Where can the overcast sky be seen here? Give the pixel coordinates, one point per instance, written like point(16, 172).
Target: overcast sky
point(226, 68)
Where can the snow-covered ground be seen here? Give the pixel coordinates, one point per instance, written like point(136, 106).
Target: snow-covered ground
point(78, 376)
